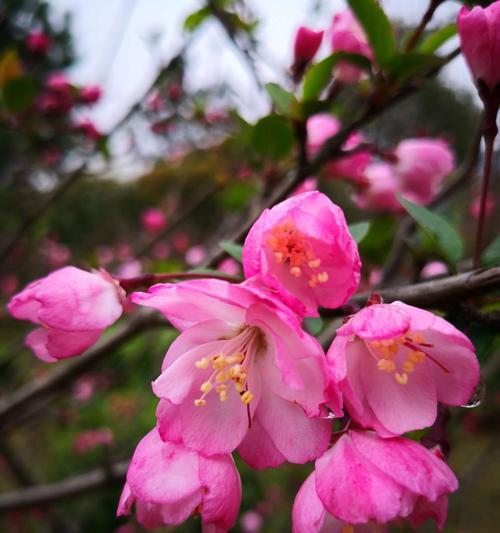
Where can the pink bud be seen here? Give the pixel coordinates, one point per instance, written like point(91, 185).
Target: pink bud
point(38, 43)
point(88, 440)
point(307, 43)
point(478, 30)
point(88, 129)
point(90, 94)
point(195, 255)
point(153, 220)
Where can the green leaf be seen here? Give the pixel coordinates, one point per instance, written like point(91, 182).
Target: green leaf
point(377, 27)
point(284, 101)
point(491, 256)
point(314, 325)
point(432, 42)
point(320, 74)
point(18, 94)
point(404, 66)
point(233, 249)
point(272, 137)
point(445, 235)
point(194, 20)
point(359, 230)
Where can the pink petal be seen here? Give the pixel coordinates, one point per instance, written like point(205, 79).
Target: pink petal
point(379, 321)
point(51, 344)
point(257, 449)
point(308, 512)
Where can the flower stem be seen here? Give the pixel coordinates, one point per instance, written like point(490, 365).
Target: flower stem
point(433, 5)
point(146, 280)
point(489, 139)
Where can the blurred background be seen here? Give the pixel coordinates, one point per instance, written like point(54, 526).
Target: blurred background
point(125, 144)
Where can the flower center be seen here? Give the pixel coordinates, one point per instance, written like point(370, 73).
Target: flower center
point(292, 248)
point(385, 350)
point(230, 367)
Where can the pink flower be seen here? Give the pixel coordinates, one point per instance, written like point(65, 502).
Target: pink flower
point(251, 522)
point(38, 43)
point(365, 479)
point(433, 269)
point(309, 184)
point(90, 94)
point(475, 206)
point(478, 30)
point(153, 220)
point(58, 82)
point(321, 127)
point(303, 249)
point(88, 440)
point(87, 127)
point(379, 190)
point(307, 43)
point(195, 255)
point(174, 92)
point(422, 164)
point(73, 308)
point(168, 482)
point(161, 250)
point(242, 374)
point(8, 284)
point(348, 36)
point(394, 363)
point(229, 266)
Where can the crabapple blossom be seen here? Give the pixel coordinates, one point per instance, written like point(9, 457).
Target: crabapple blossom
point(153, 220)
point(322, 126)
point(302, 249)
point(38, 43)
point(307, 43)
point(72, 307)
point(168, 482)
point(394, 363)
point(478, 31)
point(90, 94)
point(93, 438)
point(433, 269)
point(242, 374)
point(347, 35)
point(378, 192)
point(195, 255)
point(367, 480)
point(421, 166)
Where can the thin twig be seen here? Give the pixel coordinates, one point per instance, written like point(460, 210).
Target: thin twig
point(34, 395)
point(426, 18)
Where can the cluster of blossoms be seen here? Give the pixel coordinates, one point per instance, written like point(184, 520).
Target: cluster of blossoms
point(244, 376)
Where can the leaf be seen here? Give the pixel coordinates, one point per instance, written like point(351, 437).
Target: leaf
point(194, 20)
point(404, 66)
point(445, 235)
point(320, 74)
point(284, 101)
point(233, 249)
point(314, 325)
point(359, 230)
point(272, 137)
point(432, 42)
point(18, 94)
point(491, 256)
point(377, 27)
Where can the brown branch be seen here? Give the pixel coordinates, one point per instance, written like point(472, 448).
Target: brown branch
point(439, 293)
point(42, 495)
point(426, 18)
point(30, 398)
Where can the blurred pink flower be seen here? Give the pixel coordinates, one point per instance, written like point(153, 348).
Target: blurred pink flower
point(180, 241)
point(309, 184)
point(154, 101)
point(347, 35)
point(38, 42)
point(153, 220)
point(91, 439)
point(123, 251)
point(73, 308)
point(129, 269)
point(9, 284)
point(168, 482)
point(56, 254)
point(478, 31)
point(195, 255)
point(302, 249)
point(421, 166)
point(242, 374)
point(379, 190)
point(307, 43)
point(90, 94)
point(321, 127)
point(394, 363)
point(87, 127)
point(105, 255)
point(365, 479)
point(58, 82)
point(433, 269)
point(161, 250)
point(174, 92)
point(51, 156)
point(230, 266)
point(251, 522)
point(475, 206)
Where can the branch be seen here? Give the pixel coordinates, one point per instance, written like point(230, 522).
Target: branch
point(440, 293)
point(32, 397)
point(42, 495)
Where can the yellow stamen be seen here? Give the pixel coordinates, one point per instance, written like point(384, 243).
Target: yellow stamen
point(296, 272)
point(223, 396)
point(200, 402)
point(202, 363)
point(247, 397)
point(322, 277)
point(315, 263)
point(206, 387)
point(402, 379)
point(408, 366)
point(279, 257)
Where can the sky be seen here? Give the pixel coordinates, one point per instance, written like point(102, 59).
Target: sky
point(121, 44)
